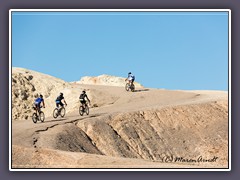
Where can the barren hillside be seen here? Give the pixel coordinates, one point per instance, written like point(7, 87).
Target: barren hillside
point(148, 128)
point(27, 84)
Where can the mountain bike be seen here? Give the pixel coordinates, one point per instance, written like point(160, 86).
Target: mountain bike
point(83, 109)
point(129, 86)
point(59, 112)
point(39, 116)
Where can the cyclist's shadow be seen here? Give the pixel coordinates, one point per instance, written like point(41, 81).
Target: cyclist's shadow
point(82, 117)
point(140, 90)
point(55, 120)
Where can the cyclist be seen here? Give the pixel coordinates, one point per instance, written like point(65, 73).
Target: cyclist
point(130, 78)
point(38, 102)
point(82, 98)
point(59, 100)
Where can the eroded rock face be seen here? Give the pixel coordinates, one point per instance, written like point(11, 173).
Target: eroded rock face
point(184, 132)
point(187, 131)
point(23, 94)
point(27, 85)
point(149, 125)
point(106, 80)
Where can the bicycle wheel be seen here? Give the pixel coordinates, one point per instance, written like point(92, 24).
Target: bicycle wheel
point(41, 116)
point(133, 88)
point(81, 110)
point(87, 110)
point(34, 117)
point(127, 87)
point(55, 113)
point(62, 112)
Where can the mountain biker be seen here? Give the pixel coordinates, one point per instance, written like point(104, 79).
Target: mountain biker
point(130, 78)
point(59, 100)
point(38, 102)
point(82, 98)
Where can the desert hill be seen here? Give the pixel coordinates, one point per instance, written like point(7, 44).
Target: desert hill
point(149, 128)
point(27, 84)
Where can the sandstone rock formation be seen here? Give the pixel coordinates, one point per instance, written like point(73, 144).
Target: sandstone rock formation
point(149, 128)
point(27, 85)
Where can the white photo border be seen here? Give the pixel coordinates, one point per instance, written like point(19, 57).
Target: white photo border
point(120, 10)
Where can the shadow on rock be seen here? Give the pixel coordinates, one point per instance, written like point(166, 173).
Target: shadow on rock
point(140, 90)
point(55, 120)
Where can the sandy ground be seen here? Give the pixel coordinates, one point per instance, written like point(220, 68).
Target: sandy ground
point(129, 130)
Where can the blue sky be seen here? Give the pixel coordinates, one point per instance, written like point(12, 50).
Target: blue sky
point(170, 50)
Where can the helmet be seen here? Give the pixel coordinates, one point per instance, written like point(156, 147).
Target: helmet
point(129, 73)
point(61, 94)
point(84, 91)
point(40, 96)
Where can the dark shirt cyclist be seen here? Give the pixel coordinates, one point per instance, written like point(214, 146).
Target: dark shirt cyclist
point(82, 98)
point(59, 100)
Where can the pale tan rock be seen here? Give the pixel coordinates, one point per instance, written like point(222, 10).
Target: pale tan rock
point(106, 80)
point(141, 129)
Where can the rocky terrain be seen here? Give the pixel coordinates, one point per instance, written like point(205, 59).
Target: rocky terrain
point(27, 85)
point(106, 80)
point(148, 128)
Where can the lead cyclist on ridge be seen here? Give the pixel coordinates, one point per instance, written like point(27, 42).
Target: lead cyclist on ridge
point(130, 78)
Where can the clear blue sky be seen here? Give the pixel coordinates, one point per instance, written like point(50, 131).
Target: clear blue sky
point(170, 50)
